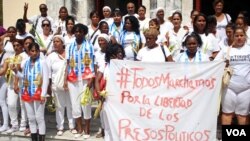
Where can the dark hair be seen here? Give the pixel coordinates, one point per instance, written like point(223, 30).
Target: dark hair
point(192, 12)
point(246, 15)
point(117, 12)
point(18, 41)
point(20, 25)
point(42, 5)
point(134, 22)
point(243, 19)
point(101, 23)
point(230, 25)
point(92, 13)
point(113, 50)
point(80, 27)
point(192, 35)
point(11, 27)
point(27, 38)
point(178, 13)
point(240, 28)
point(211, 23)
point(37, 47)
point(69, 18)
point(47, 21)
point(63, 8)
point(218, 1)
point(196, 18)
point(142, 6)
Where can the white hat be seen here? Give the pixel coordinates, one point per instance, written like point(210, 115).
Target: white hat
point(106, 7)
point(158, 9)
point(105, 36)
point(60, 37)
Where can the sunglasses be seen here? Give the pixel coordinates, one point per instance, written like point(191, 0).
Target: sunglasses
point(43, 8)
point(43, 25)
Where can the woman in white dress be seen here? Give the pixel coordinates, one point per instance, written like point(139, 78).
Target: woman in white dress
point(3, 90)
point(56, 61)
point(228, 40)
point(9, 37)
point(114, 51)
point(117, 26)
point(143, 20)
point(192, 53)
point(69, 36)
point(242, 22)
point(59, 26)
point(93, 26)
point(131, 38)
point(7, 71)
point(222, 18)
point(45, 39)
point(210, 45)
point(153, 52)
point(176, 34)
point(236, 98)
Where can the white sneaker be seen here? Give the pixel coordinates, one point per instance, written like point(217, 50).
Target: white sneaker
point(4, 128)
point(22, 128)
point(86, 136)
point(59, 133)
point(77, 135)
point(73, 131)
point(11, 130)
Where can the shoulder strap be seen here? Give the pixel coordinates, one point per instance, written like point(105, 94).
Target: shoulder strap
point(36, 22)
point(6, 42)
point(94, 40)
point(226, 18)
point(1, 57)
point(93, 33)
point(163, 51)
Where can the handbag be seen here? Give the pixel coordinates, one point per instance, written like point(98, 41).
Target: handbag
point(60, 76)
point(228, 71)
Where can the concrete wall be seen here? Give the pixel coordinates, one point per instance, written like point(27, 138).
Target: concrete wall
point(13, 10)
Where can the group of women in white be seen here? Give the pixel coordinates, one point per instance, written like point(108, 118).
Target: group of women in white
point(31, 64)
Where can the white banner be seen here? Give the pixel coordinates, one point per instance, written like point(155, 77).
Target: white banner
point(162, 101)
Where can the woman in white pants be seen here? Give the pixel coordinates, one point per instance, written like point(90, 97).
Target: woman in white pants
point(56, 61)
point(35, 84)
point(79, 76)
point(12, 97)
point(236, 97)
point(114, 51)
point(3, 91)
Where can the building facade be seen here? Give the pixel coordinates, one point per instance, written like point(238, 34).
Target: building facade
point(13, 9)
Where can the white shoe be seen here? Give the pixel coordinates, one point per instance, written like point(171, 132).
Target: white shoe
point(77, 135)
point(59, 133)
point(4, 128)
point(22, 128)
point(86, 136)
point(73, 131)
point(11, 130)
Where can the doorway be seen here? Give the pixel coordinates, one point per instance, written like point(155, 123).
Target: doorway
point(121, 4)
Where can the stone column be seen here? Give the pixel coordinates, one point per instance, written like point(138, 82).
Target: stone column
point(186, 9)
point(53, 7)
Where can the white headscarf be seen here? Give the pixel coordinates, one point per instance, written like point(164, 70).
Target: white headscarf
point(105, 36)
point(106, 7)
point(60, 37)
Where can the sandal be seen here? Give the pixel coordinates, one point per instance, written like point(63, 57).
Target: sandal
point(26, 132)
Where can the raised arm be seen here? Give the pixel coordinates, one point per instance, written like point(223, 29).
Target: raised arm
point(25, 12)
